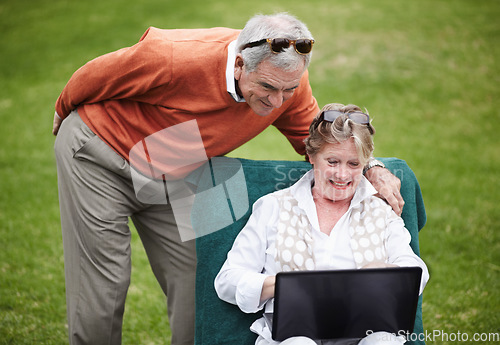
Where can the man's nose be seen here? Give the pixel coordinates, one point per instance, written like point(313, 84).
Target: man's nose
point(276, 99)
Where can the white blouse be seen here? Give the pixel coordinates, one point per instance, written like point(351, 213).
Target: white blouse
point(251, 258)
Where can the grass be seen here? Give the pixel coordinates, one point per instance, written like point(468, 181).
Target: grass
point(427, 71)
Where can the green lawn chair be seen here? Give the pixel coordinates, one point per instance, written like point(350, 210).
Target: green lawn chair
point(221, 323)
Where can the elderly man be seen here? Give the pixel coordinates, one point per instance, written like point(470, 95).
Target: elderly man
point(233, 83)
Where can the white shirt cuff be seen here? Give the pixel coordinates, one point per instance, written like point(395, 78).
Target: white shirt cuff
point(248, 292)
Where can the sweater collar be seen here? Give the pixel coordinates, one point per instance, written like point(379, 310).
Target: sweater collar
point(230, 82)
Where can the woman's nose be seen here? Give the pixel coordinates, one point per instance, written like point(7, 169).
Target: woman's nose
point(341, 173)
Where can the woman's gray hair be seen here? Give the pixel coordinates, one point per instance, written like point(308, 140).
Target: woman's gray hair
point(280, 25)
point(342, 129)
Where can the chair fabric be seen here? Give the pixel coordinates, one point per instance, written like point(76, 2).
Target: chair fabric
point(221, 323)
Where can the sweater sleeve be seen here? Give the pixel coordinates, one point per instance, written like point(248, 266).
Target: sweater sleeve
point(130, 72)
point(295, 121)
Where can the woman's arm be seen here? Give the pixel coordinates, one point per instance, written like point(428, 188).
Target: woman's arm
point(242, 278)
point(399, 252)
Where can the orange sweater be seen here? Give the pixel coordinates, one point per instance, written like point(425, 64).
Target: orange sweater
point(170, 77)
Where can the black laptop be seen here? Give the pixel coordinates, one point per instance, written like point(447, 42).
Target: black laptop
point(345, 303)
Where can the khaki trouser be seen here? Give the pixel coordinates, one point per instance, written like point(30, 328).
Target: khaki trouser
point(96, 199)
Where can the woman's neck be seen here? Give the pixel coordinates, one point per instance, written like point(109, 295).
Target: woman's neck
point(329, 211)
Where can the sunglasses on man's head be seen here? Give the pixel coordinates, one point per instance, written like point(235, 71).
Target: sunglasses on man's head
point(332, 115)
point(302, 46)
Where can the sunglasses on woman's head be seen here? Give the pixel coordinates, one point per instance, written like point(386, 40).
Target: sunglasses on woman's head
point(332, 115)
point(302, 46)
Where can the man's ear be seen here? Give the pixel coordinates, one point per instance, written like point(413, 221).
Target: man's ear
point(238, 66)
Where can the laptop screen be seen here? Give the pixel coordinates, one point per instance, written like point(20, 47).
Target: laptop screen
point(345, 303)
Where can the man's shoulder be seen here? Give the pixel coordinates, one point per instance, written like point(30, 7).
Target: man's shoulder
point(217, 34)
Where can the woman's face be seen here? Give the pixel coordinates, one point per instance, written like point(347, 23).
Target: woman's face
point(337, 171)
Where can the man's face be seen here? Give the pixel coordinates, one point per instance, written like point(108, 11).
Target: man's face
point(267, 87)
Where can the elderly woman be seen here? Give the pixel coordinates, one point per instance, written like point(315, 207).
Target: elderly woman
point(316, 224)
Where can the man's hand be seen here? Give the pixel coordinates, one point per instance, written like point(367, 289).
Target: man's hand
point(388, 187)
point(56, 124)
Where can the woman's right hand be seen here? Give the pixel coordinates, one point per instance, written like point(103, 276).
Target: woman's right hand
point(268, 288)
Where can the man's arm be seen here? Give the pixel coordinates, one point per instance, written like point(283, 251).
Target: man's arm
point(126, 73)
point(387, 185)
